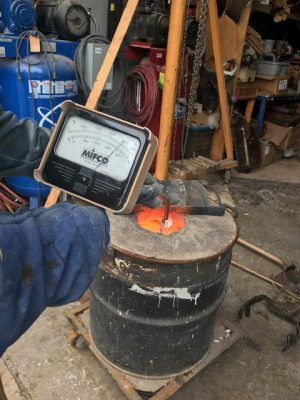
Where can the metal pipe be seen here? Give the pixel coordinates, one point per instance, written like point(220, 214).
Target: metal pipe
point(176, 27)
point(166, 211)
point(262, 252)
point(265, 278)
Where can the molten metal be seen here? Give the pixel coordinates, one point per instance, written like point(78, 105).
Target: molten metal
point(151, 220)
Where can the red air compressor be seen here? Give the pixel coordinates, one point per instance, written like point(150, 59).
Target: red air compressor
point(144, 92)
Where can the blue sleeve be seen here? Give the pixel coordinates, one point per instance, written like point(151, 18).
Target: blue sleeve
point(48, 257)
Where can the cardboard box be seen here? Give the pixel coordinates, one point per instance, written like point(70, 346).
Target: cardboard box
point(246, 91)
point(281, 136)
point(269, 152)
point(277, 85)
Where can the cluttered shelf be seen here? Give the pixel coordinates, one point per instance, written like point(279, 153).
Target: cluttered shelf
point(279, 12)
point(290, 96)
point(268, 91)
point(275, 128)
point(266, 98)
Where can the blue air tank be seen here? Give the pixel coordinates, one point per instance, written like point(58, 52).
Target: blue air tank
point(37, 85)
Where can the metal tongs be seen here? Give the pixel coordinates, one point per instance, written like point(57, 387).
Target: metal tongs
point(192, 201)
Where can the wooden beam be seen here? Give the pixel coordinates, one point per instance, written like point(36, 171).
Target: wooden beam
point(232, 43)
point(249, 110)
point(52, 198)
point(103, 73)
point(176, 27)
point(217, 50)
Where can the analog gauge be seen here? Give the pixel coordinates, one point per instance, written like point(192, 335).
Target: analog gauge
point(97, 147)
point(98, 158)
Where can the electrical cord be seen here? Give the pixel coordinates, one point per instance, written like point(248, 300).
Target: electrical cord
point(78, 59)
point(24, 35)
point(142, 84)
point(5, 204)
point(94, 22)
point(20, 59)
point(9, 200)
point(80, 72)
point(118, 93)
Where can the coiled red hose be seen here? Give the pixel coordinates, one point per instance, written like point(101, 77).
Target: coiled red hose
point(149, 94)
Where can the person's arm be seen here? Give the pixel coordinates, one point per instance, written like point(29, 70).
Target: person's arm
point(22, 144)
point(48, 257)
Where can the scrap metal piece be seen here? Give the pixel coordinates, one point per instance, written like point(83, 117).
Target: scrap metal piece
point(292, 339)
point(291, 277)
point(285, 310)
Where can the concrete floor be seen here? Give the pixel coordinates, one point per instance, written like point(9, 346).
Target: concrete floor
point(46, 367)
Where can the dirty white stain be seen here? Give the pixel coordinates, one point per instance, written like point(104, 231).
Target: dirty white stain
point(218, 263)
point(1, 256)
point(180, 293)
point(121, 263)
point(159, 300)
point(127, 264)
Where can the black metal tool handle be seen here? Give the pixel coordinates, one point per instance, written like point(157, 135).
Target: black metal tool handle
point(207, 210)
point(200, 210)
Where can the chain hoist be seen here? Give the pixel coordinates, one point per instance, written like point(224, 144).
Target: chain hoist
point(181, 74)
point(199, 51)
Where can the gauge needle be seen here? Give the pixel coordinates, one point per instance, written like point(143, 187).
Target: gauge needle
point(101, 162)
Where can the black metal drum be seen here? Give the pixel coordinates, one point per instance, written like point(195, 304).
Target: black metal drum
point(155, 298)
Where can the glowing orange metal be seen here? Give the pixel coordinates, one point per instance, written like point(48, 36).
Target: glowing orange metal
point(153, 220)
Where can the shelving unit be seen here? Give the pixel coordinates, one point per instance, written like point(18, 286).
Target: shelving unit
point(264, 99)
point(268, 9)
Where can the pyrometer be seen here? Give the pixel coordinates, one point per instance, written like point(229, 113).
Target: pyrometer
point(98, 158)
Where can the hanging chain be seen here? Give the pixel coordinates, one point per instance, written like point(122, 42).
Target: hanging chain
point(181, 76)
point(199, 51)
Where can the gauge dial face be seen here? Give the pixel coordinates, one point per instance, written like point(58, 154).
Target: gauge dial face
point(97, 147)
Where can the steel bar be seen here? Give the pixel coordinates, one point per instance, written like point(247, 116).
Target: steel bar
point(262, 252)
point(265, 278)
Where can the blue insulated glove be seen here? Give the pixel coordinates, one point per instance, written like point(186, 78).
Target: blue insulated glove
point(187, 193)
point(150, 192)
point(22, 144)
point(48, 257)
